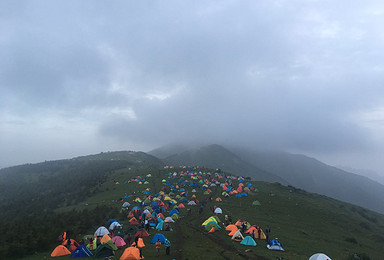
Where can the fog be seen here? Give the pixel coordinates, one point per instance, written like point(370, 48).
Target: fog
point(80, 77)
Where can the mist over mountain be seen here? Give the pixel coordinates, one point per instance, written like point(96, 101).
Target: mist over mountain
point(297, 170)
point(364, 172)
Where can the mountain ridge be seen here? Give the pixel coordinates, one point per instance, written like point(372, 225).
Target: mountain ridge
point(296, 170)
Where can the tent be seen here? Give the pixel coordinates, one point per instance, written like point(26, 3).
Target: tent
point(319, 256)
point(255, 230)
point(130, 253)
point(218, 211)
point(211, 225)
point(192, 203)
point(275, 245)
point(60, 251)
point(158, 236)
point(160, 225)
point(104, 250)
point(169, 219)
point(256, 203)
point(248, 241)
point(142, 233)
point(118, 241)
point(126, 204)
point(238, 236)
point(114, 225)
point(209, 220)
point(81, 251)
point(101, 231)
point(231, 227)
point(105, 239)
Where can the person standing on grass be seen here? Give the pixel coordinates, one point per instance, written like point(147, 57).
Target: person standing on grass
point(167, 245)
point(158, 244)
point(267, 233)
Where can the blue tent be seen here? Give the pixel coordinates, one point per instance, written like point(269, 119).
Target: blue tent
point(81, 251)
point(135, 207)
point(174, 211)
point(112, 220)
point(248, 241)
point(157, 237)
point(275, 245)
point(160, 225)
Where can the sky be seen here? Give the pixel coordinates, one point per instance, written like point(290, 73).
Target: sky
point(84, 77)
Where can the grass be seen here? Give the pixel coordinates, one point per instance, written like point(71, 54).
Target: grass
point(304, 223)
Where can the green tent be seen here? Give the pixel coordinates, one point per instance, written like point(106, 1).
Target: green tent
point(212, 224)
point(175, 216)
point(112, 245)
point(256, 203)
point(104, 250)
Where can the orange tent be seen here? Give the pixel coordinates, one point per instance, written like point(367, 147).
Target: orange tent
point(131, 253)
point(231, 227)
point(181, 206)
point(233, 232)
point(212, 230)
point(60, 251)
point(105, 239)
point(218, 199)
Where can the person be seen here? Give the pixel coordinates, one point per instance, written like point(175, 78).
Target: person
point(259, 232)
point(253, 233)
point(158, 244)
point(69, 244)
point(167, 245)
point(243, 227)
point(267, 233)
point(201, 208)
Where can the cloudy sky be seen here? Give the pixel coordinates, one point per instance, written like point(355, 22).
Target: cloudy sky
point(81, 77)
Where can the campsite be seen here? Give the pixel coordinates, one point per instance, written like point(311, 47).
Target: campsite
point(303, 223)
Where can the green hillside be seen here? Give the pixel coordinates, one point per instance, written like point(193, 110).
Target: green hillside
point(304, 223)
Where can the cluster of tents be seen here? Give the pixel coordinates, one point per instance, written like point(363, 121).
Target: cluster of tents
point(157, 211)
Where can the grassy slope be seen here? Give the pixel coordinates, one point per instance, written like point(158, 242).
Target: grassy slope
point(304, 223)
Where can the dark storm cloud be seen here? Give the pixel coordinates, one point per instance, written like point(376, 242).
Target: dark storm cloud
point(279, 74)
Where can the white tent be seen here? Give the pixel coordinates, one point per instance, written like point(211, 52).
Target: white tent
point(238, 235)
point(114, 225)
point(193, 190)
point(191, 203)
point(320, 256)
point(101, 231)
point(146, 211)
point(126, 204)
point(218, 211)
point(169, 219)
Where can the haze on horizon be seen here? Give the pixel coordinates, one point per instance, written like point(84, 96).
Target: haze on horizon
point(81, 77)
